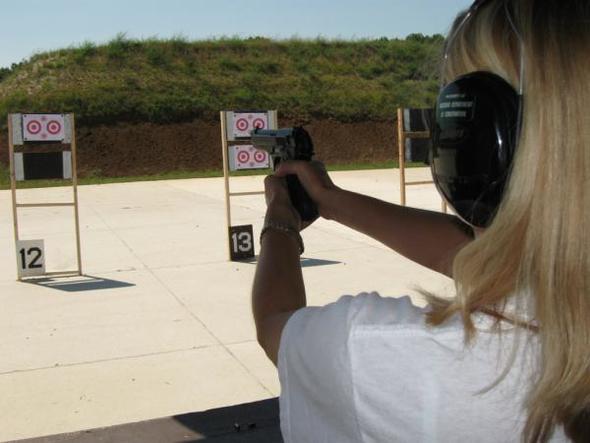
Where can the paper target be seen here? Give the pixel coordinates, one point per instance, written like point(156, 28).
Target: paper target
point(54, 127)
point(244, 122)
point(247, 157)
point(243, 157)
point(261, 156)
point(43, 127)
point(33, 127)
point(259, 123)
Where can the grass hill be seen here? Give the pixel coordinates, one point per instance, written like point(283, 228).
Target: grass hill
point(175, 80)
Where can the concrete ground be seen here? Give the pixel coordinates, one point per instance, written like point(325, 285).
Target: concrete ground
point(160, 325)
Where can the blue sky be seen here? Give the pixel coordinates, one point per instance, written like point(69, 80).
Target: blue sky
point(30, 26)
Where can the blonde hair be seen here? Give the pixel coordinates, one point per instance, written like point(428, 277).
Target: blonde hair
point(537, 250)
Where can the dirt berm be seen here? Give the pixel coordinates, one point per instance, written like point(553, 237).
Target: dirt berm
point(147, 148)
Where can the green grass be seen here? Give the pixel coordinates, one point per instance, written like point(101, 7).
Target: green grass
point(127, 80)
point(177, 175)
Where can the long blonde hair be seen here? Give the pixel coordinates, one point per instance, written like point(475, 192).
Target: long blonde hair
point(537, 250)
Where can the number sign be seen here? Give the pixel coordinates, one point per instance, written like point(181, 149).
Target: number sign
point(241, 242)
point(30, 255)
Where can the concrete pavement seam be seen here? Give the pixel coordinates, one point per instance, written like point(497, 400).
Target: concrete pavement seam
point(104, 360)
point(186, 308)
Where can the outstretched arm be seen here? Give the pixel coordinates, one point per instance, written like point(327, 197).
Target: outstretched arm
point(429, 238)
point(278, 288)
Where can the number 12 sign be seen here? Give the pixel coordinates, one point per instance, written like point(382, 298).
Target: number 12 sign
point(241, 242)
point(30, 256)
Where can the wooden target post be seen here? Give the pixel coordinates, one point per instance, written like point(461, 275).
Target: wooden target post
point(404, 133)
point(235, 128)
point(36, 129)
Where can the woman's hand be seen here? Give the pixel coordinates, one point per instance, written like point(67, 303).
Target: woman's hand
point(314, 178)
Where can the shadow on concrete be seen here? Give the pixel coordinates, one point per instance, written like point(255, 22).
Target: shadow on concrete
point(305, 262)
point(80, 284)
point(311, 262)
point(256, 422)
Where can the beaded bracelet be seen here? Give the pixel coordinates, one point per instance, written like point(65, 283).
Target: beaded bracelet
point(281, 227)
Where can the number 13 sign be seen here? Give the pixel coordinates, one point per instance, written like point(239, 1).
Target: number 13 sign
point(30, 256)
point(241, 242)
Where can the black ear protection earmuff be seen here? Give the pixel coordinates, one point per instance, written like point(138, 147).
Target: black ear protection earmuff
point(474, 137)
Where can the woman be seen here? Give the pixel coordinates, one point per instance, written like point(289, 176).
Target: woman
point(369, 368)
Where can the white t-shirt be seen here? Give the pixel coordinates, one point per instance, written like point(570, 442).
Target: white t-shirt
point(368, 369)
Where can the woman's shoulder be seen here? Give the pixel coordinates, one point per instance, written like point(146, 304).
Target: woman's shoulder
point(372, 310)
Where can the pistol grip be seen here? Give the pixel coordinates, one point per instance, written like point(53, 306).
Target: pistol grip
point(301, 200)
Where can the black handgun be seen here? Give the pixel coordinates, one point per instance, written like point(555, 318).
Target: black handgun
point(289, 144)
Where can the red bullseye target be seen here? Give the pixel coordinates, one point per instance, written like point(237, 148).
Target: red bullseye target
point(242, 124)
point(260, 156)
point(34, 127)
point(259, 123)
point(53, 127)
point(243, 157)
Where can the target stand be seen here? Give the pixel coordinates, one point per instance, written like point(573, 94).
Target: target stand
point(241, 155)
point(29, 133)
point(413, 136)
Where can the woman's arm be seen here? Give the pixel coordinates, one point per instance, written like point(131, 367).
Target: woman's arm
point(429, 238)
point(278, 288)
